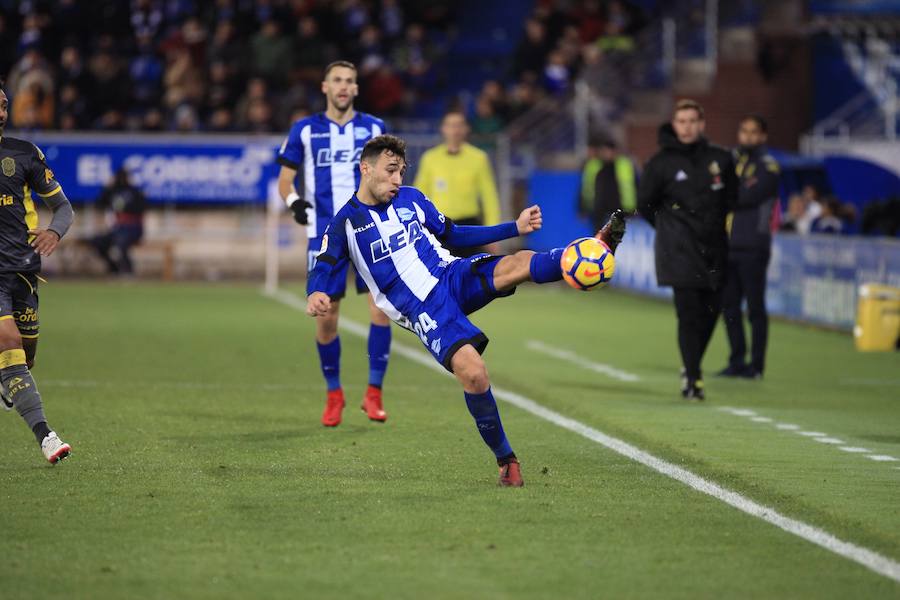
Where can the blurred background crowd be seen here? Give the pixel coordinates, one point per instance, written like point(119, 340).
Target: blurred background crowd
point(244, 65)
point(512, 68)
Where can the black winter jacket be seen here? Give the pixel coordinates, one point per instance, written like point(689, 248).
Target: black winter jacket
point(685, 193)
point(751, 225)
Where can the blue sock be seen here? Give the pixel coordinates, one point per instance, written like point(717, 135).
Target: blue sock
point(545, 266)
point(487, 418)
point(330, 359)
point(379, 352)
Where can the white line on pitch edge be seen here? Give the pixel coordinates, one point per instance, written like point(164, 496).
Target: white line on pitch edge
point(854, 449)
point(739, 412)
point(870, 559)
point(881, 458)
point(572, 357)
point(812, 434)
point(829, 440)
point(787, 426)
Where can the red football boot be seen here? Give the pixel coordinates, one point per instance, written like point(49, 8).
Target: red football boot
point(612, 233)
point(372, 405)
point(510, 473)
point(333, 407)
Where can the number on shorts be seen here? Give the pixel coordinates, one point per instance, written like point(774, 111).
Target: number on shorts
point(425, 324)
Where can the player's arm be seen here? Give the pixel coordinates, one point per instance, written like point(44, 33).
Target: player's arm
point(761, 187)
point(478, 235)
point(330, 260)
point(289, 158)
point(487, 192)
point(42, 181)
point(649, 196)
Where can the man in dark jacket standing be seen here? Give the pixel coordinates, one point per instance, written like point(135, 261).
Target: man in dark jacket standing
point(687, 189)
point(749, 246)
point(127, 204)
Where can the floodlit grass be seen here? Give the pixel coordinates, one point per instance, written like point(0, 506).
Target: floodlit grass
point(200, 469)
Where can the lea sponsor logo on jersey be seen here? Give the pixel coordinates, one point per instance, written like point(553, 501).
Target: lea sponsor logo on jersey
point(326, 157)
point(382, 249)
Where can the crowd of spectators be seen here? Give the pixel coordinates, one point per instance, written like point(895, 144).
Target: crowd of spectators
point(810, 211)
point(561, 41)
point(222, 65)
point(255, 65)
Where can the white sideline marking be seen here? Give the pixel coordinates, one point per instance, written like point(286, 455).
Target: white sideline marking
point(873, 561)
point(817, 436)
point(574, 358)
point(881, 458)
point(740, 412)
point(854, 449)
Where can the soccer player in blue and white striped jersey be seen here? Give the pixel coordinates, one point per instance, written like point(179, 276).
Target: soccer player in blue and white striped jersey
point(326, 147)
point(392, 234)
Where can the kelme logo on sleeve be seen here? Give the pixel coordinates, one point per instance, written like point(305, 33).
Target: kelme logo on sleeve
point(8, 165)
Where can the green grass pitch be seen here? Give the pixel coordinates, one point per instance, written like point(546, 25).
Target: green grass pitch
point(200, 469)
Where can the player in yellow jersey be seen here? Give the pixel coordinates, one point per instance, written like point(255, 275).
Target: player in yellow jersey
point(23, 172)
point(457, 177)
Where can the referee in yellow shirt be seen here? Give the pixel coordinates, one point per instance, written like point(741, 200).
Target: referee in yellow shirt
point(458, 178)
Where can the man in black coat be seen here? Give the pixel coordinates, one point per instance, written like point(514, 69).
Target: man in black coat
point(127, 204)
point(749, 246)
point(687, 189)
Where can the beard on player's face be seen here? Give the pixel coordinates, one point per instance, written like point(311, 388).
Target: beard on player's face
point(383, 186)
point(342, 105)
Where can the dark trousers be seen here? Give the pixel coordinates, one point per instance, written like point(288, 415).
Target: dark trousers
point(746, 278)
point(122, 238)
point(697, 310)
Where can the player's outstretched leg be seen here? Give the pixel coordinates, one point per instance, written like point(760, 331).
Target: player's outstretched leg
point(471, 372)
point(612, 233)
point(544, 267)
point(379, 352)
point(22, 393)
point(329, 345)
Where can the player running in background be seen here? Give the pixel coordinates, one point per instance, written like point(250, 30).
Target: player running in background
point(392, 234)
point(327, 147)
point(23, 171)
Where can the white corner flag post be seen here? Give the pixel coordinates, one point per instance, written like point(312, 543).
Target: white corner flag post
point(274, 209)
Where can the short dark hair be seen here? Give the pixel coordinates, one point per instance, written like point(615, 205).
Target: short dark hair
point(688, 104)
point(455, 111)
point(759, 120)
point(338, 63)
point(383, 143)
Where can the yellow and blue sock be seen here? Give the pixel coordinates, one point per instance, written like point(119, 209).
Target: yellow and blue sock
point(22, 391)
point(545, 266)
point(330, 360)
point(379, 352)
point(483, 408)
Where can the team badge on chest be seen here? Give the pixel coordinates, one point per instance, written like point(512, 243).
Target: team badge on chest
point(8, 165)
point(716, 173)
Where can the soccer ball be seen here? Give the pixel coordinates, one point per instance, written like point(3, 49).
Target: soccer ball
point(587, 263)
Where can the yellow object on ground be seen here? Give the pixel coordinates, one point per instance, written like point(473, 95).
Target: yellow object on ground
point(877, 318)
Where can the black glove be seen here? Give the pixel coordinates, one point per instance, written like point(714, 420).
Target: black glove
point(299, 209)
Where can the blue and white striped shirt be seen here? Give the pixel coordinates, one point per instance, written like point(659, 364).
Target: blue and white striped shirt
point(328, 155)
point(396, 248)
